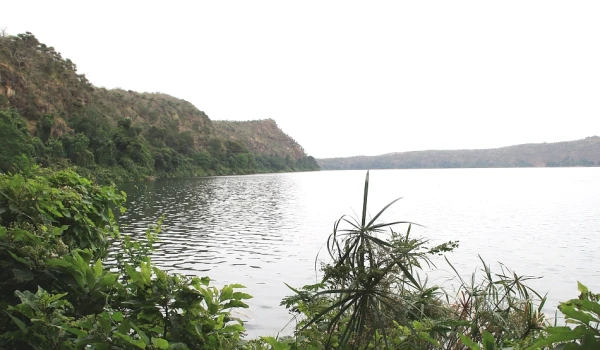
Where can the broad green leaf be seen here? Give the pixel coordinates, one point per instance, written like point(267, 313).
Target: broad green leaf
point(582, 289)
point(587, 305)
point(118, 316)
point(55, 297)
point(468, 342)
point(488, 341)
point(137, 343)
point(90, 277)
point(146, 273)
point(157, 329)
point(19, 323)
point(561, 335)
point(199, 282)
point(108, 280)
point(160, 343)
point(104, 322)
point(235, 303)
point(21, 260)
point(58, 262)
point(240, 295)
point(226, 293)
point(78, 332)
point(145, 339)
point(98, 268)
point(570, 311)
point(79, 279)
point(234, 328)
point(208, 296)
point(22, 275)
point(86, 256)
point(132, 273)
point(275, 344)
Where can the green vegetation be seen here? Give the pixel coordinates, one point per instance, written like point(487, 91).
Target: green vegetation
point(51, 115)
point(60, 289)
point(584, 152)
point(56, 291)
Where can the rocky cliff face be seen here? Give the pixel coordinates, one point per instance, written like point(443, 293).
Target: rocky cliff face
point(261, 137)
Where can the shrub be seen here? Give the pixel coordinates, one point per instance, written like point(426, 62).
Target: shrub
point(15, 142)
point(59, 292)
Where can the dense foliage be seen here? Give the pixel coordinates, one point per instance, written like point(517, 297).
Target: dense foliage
point(53, 115)
point(57, 292)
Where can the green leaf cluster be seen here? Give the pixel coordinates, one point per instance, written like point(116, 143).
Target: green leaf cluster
point(59, 289)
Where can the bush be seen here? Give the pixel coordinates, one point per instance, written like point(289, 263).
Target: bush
point(59, 292)
point(15, 142)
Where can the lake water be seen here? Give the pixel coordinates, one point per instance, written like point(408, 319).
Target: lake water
point(264, 230)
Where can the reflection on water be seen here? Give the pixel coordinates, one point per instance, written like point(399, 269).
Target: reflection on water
point(250, 230)
point(264, 230)
point(210, 222)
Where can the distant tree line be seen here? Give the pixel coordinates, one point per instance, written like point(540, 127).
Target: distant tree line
point(585, 152)
point(125, 153)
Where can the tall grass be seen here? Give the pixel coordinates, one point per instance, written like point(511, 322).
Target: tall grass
point(497, 303)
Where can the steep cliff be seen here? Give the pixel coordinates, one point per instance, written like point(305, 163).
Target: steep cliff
point(260, 136)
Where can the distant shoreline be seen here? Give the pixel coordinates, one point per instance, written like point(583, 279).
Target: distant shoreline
point(579, 153)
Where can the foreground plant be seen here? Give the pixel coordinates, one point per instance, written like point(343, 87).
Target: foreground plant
point(584, 314)
point(58, 292)
point(370, 292)
point(499, 306)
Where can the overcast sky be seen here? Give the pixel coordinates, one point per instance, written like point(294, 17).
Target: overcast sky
point(347, 78)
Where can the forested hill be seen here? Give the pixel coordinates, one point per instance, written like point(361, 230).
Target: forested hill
point(585, 152)
point(51, 115)
point(266, 138)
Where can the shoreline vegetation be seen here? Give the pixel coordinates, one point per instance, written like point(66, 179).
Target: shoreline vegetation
point(58, 292)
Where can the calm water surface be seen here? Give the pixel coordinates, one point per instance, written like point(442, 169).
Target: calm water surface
point(264, 230)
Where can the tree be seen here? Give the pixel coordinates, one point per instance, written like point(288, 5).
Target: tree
point(15, 141)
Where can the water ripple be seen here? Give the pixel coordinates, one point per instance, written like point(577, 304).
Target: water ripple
point(264, 230)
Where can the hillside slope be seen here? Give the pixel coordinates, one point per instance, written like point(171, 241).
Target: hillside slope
point(121, 134)
point(261, 136)
point(265, 138)
point(585, 152)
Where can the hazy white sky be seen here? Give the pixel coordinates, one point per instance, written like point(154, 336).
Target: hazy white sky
point(347, 77)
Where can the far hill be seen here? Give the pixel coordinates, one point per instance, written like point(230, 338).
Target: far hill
point(52, 115)
point(585, 152)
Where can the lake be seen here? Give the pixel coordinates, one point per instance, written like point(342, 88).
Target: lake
point(264, 230)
